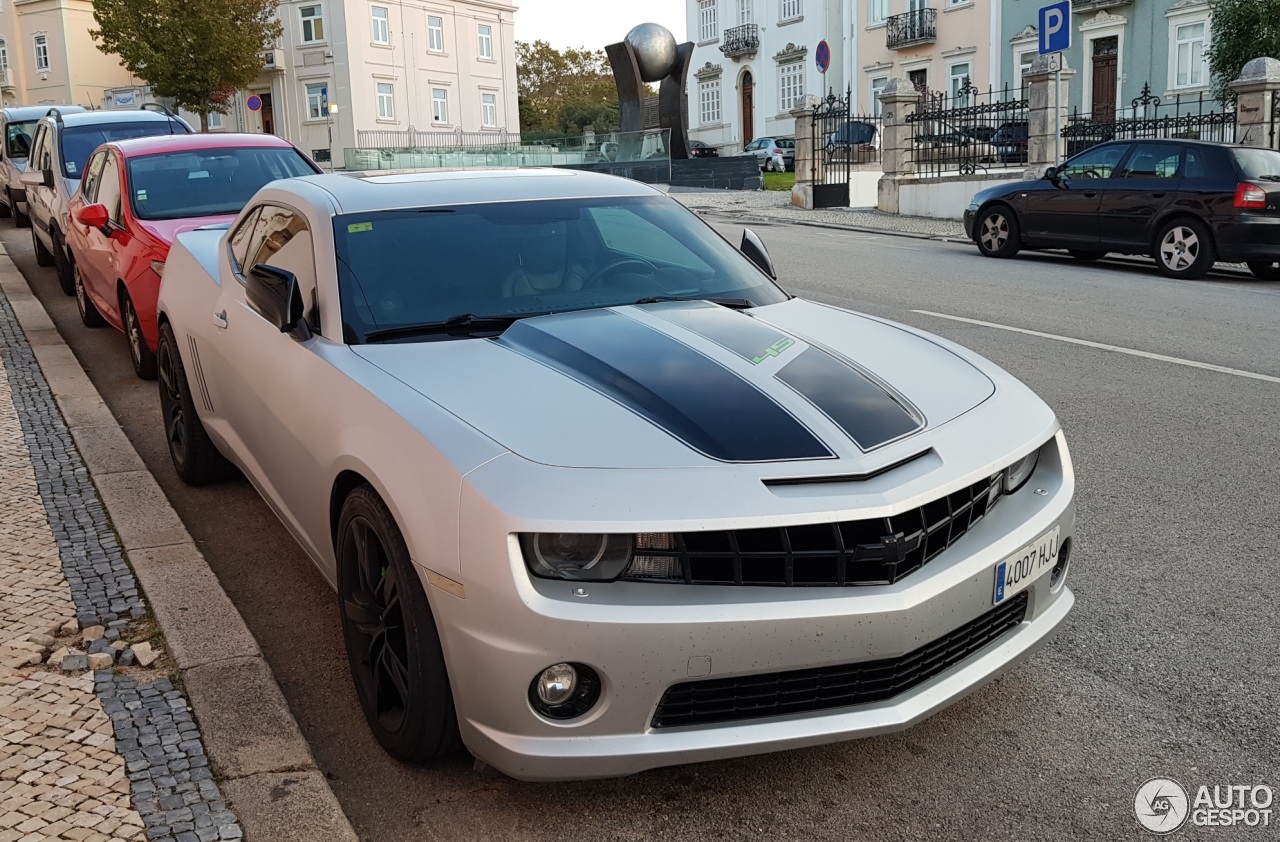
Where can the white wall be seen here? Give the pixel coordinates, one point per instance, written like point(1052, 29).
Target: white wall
point(863, 188)
point(942, 199)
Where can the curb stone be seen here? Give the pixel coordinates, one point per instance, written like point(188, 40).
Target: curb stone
point(168, 769)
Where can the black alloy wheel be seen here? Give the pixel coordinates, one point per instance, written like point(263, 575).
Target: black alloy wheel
point(998, 234)
point(1265, 270)
point(393, 647)
point(195, 458)
point(144, 361)
point(61, 263)
point(89, 314)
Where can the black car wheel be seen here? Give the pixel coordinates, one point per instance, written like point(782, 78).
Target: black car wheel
point(1184, 249)
point(1265, 270)
point(393, 647)
point(61, 263)
point(1087, 256)
point(44, 257)
point(997, 233)
point(144, 361)
point(195, 458)
point(88, 312)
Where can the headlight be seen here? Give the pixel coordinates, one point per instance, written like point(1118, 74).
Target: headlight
point(574, 555)
point(1017, 474)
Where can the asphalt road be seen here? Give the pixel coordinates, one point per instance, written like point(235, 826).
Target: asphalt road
point(1168, 666)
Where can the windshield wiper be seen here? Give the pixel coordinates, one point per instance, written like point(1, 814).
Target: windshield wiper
point(1269, 178)
point(731, 303)
point(463, 324)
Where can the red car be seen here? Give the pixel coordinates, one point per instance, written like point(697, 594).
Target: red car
point(137, 196)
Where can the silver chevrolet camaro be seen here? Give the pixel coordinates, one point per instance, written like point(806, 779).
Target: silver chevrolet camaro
point(596, 495)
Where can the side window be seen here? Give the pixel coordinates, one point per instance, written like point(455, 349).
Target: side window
point(1153, 160)
point(240, 240)
point(91, 174)
point(1195, 167)
point(39, 150)
point(109, 189)
point(284, 241)
point(1098, 162)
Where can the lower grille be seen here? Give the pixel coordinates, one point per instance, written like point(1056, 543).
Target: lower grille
point(802, 691)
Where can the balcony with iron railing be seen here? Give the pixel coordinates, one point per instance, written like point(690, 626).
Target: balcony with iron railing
point(740, 41)
point(911, 28)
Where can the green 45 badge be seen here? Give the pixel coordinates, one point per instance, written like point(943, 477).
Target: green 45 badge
point(774, 350)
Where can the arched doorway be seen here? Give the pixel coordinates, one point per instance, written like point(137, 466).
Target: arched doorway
point(748, 108)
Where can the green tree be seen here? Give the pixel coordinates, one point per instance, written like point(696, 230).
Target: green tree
point(197, 52)
point(1242, 30)
point(564, 91)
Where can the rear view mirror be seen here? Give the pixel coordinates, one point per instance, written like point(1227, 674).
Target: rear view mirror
point(36, 178)
point(753, 248)
point(273, 293)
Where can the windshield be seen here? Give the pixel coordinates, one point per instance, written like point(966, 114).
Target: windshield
point(17, 141)
point(78, 142)
point(1257, 163)
point(206, 182)
point(406, 268)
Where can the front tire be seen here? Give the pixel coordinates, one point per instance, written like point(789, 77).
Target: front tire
point(144, 361)
point(195, 458)
point(393, 647)
point(998, 232)
point(1086, 256)
point(1184, 249)
point(1265, 270)
point(44, 257)
point(61, 263)
point(89, 314)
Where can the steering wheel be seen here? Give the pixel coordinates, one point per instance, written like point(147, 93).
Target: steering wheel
point(613, 266)
point(1091, 174)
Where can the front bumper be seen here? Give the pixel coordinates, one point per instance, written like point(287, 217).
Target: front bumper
point(1247, 238)
point(970, 214)
point(644, 638)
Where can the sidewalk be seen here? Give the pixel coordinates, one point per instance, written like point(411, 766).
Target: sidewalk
point(775, 206)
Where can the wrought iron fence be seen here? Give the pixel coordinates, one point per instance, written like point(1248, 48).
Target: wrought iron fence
point(841, 140)
point(740, 40)
point(647, 147)
point(414, 139)
point(1192, 117)
point(969, 131)
point(919, 26)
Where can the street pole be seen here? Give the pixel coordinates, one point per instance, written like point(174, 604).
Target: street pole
point(1057, 113)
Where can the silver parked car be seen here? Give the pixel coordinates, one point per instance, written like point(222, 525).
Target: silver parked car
point(17, 131)
point(595, 493)
point(775, 154)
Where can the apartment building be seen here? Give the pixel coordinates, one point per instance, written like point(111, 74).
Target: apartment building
point(47, 56)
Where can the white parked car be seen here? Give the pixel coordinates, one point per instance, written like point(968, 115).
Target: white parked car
point(17, 131)
point(597, 495)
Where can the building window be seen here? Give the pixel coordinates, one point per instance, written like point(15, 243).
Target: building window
point(790, 85)
point(486, 40)
point(312, 24)
point(707, 26)
point(386, 102)
point(959, 3)
point(215, 121)
point(1189, 46)
point(381, 26)
point(435, 34)
point(42, 52)
point(709, 102)
point(317, 102)
point(489, 110)
point(960, 86)
point(439, 105)
point(877, 88)
point(790, 10)
point(744, 12)
point(1023, 61)
point(879, 11)
point(4, 56)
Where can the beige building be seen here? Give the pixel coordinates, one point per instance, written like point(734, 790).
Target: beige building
point(47, 56)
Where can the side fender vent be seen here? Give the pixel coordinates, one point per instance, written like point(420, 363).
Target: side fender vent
point(198, 371)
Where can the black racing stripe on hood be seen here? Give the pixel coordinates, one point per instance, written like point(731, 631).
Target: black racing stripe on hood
point(689, 395)
point(748, 338)
point(857, 404)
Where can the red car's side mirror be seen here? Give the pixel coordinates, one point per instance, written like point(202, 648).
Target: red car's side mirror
point(94, 216)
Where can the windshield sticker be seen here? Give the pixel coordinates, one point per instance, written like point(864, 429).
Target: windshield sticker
point(142, 195)
point(198, 174)
point(359, 227)
point(71, 167)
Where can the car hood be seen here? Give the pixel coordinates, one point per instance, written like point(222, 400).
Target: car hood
point(688, 384)
point(167, 230)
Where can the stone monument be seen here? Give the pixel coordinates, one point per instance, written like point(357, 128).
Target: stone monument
point(649, 53)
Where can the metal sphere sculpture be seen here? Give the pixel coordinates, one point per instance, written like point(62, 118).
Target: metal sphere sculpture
point(655, 50)
point(649, 53)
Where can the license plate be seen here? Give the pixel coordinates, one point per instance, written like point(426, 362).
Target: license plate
point(1016, 573)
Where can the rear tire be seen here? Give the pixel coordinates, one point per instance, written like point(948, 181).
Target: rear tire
point(1265, 270)
point(393, 646)
point(195, 458)
point(1184, 249)
point(144, 361)
point(44, 257)
point(62, 263)
point(1086, 256)
point(88, 311)
point(998, 234)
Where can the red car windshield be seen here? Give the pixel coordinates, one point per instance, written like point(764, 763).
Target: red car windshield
point(207, 182)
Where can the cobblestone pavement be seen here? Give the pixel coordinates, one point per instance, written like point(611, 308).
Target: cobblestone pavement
point(93, 745)
point(775, 205)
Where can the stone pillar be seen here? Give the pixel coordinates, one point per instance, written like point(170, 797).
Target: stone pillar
point(1258, 92)
point(802, 191)
point(1046, 114)
point(898, 101)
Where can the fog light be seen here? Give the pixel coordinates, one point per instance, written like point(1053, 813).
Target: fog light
point(563, 691)
point(1060, 569)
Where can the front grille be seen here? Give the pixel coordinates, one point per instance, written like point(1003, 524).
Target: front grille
point(803, 691)
point(857, 552)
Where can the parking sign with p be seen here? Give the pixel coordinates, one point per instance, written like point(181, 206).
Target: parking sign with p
point(1055, 27)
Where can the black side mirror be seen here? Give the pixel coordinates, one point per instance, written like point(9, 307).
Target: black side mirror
point(274, 294)
point(48, 178)
point(753, 247)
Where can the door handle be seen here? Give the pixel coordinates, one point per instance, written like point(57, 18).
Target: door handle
point(1089, 194)
point(220, 319)
point(1157, 195)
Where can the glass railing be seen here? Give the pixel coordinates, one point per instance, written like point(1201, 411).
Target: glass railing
point(648, 147)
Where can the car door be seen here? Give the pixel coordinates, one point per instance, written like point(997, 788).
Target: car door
point(1148, 183)
point(38, 195)
point(90, 247)
point(1068, 216)
point(269, 384)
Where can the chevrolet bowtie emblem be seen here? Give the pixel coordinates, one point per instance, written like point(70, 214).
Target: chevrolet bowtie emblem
point(892, 549)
